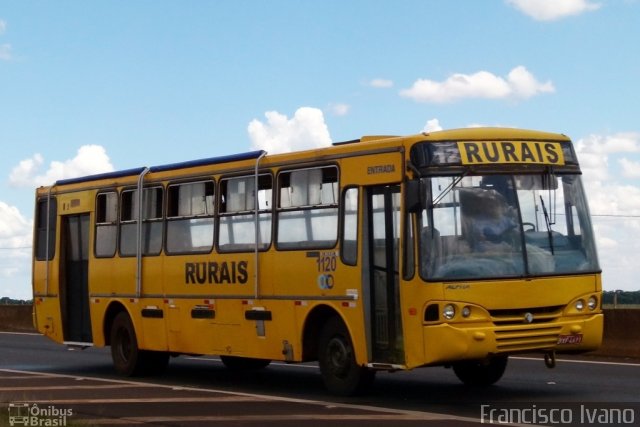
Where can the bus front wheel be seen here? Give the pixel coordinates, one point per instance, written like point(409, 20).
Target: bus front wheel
point(340, 372)
point(481, 372)
point(127, 358)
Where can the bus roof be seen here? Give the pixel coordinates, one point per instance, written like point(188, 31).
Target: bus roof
point(490, 133)
point(163, 168)
point(476, 134)
point(463, 134)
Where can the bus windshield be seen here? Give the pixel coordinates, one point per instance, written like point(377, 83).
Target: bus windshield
point(499, 226)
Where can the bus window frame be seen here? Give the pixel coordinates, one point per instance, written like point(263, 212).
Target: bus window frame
point(409, 241)
point(42, 253)
point(299, 246)
point(342, 223)
point(168, 219)
point(115, 223)
point(144, 221)
point(220, 214)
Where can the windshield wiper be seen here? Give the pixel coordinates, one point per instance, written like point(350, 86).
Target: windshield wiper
point(548, 223)
point(450, 187)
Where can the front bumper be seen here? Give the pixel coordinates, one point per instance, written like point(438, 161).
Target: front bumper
point(450, 342)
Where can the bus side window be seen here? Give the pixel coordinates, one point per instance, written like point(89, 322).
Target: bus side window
point(106, 224)
point(41, 228)
point(308, 208)
point(237, 213)
point(190, 221)
point(151, 221)
point(349, 235)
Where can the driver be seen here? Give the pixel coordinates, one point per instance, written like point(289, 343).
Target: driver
point(487, 219)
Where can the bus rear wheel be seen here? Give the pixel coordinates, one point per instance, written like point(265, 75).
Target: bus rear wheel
point(481, 372)
point(340, 372)
point(127, 358)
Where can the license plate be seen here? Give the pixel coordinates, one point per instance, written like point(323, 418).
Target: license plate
point(570, 339)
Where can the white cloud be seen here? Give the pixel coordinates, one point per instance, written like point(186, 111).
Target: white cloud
point(305, 130)
point(15, 252)
point(90, 159)
point(339, 109)
point(519, 84)
point(604, 173)
point(24, 173)
point(594, 151)
point(381, 83)
point(630, 169)
point(614, 202)
point(432, 125)
point(550, 10)
point(617, 251)
point(6, 52)
point(15, 229)
point(623, 142)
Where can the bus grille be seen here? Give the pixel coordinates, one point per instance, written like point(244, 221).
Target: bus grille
point(526, 329)
point(522, 338)
point(517, 317)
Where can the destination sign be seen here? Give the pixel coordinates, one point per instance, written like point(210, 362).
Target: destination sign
point(523, 152)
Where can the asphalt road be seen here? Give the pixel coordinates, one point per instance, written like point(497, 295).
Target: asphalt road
point(281, 392)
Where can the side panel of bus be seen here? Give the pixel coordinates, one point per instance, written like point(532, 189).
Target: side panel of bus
point(215, 303)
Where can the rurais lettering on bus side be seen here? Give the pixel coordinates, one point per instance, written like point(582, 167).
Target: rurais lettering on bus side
point(216, 273)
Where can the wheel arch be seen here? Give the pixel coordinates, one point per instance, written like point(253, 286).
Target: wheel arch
point(313, 324)
point(113, 310)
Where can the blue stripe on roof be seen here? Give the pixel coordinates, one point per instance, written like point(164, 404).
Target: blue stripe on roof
point(107, 175)
point(210, 161)
point(163, 168)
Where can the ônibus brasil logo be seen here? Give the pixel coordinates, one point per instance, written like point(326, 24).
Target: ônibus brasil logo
point(25, 414)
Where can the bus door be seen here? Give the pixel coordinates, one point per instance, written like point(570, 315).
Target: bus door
point(384, 243)
point(74, 279)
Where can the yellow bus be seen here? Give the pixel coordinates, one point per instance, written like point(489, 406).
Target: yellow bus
point(455, 248)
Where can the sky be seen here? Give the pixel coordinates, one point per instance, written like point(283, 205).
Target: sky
point(89, 87)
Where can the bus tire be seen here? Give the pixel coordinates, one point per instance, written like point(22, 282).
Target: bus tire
point(244, 363)
point(336, 356)
point(127, 358)
point(481, 372)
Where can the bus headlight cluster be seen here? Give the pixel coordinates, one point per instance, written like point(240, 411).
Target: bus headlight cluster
point(592, 303)
point(449, 311)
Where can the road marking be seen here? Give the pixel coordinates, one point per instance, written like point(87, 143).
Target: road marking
point(289, 365)
point(106, 421)
point(296, 365)
point(19, 377)
point(589, 362)
point(391, 413)
point(19, 333)
point(297, 417)
point(223, 399)
point(73, 387)
point(268, 418)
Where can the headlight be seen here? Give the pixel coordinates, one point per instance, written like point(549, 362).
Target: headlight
point(466, 311)
point(449, 311)
point(592, 303)
point(580, 305)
